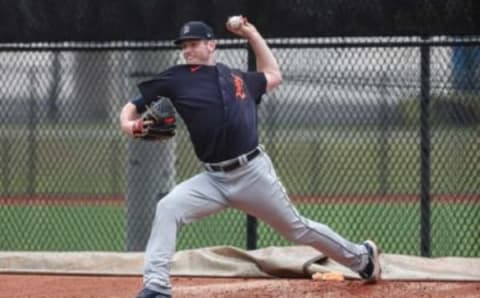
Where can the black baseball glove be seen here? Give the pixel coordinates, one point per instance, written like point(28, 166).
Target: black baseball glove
point(157, 123)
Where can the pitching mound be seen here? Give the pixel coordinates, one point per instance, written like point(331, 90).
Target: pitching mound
point(61, 286)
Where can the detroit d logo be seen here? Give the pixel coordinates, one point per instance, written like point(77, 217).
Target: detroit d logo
point(186, 29)
point(239, 87)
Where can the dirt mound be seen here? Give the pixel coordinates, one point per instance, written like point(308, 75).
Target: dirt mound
point(61, 286)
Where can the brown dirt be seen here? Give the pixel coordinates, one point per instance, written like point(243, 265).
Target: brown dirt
point(61, 286)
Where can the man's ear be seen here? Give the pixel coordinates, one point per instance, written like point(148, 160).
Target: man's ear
point(212, 45)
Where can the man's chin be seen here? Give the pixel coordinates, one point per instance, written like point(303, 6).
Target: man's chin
point(196, 62)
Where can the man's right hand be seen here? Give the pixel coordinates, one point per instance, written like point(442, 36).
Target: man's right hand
point(245, 29)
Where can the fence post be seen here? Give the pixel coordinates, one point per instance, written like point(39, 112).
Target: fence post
point(150, 164)
point(252, 66)
point(425, 150)
point(251, 220)
point(150, 176)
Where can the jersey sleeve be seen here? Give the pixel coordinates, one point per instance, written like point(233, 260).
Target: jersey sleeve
point(256, 83)
point(150, 90)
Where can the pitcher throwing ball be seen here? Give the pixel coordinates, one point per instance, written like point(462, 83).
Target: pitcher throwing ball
point(218, 106)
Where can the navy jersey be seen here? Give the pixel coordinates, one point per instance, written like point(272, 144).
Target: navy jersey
point(217, 103)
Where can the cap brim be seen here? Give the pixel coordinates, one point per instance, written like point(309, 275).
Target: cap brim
point(179, 40)
point(189, 37)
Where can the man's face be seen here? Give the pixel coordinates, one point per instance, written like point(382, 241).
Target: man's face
point(197, 51)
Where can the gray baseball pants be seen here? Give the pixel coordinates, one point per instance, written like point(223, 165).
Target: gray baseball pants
point(253, 188)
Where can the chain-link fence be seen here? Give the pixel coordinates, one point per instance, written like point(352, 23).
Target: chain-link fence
point(378, 138)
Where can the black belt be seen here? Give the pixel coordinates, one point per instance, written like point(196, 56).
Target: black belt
point(234, 164)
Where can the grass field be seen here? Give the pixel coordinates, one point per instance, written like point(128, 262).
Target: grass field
point(395, 227)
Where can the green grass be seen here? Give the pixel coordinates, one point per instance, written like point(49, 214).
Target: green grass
point(61, 228)
point(394, 226)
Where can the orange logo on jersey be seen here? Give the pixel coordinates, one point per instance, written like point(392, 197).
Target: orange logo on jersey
point(239, 87)
point(194, 68)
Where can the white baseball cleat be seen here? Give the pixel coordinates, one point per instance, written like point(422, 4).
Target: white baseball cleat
point(372, 271)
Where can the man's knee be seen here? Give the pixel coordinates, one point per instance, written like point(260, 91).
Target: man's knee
point(166, 209)
point(300, 232)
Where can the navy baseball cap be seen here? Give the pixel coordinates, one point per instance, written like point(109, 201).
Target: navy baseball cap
point(194, 30)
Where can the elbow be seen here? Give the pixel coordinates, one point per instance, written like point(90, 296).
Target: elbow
point(279, 78)
point(274, 79)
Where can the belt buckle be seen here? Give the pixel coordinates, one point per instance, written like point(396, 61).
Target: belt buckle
point(236, 163)
point(223, 168)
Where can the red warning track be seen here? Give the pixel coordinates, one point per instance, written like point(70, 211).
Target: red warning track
point(118, 200)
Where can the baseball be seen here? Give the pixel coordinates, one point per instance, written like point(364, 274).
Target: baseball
point(235, 21)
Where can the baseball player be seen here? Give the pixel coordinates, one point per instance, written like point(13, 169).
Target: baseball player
point(218, 106)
